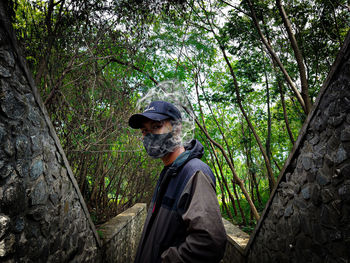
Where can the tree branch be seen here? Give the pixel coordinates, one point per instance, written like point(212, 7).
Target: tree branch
point(114, 59)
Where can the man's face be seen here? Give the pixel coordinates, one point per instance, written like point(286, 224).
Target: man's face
point(156, 127)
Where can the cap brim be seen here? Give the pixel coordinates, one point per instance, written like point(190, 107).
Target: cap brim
point(136, 120)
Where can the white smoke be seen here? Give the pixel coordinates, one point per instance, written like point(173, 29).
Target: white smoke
point(173, 92)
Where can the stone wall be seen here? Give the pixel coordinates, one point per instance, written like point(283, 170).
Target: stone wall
point(236, 242)
point(120, 237)
point(307, 218)
point(43, 217)
point(121, 234)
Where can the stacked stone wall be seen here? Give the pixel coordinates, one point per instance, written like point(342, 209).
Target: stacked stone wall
point(308, 216)
point(236, 242)
point(121, 234)
point(42, 215)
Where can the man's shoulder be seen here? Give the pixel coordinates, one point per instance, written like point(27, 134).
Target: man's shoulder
point(194, 165)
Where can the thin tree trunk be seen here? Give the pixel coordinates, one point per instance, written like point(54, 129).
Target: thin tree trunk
point(268, 166)
point(248, 153)
point(228, 210)
point(252, 191)
point(239, 203)
point(217, 124)
point(51, 36)
point(275, 57)
point(267, 163)
point(256, 188)
point(212, 152)
point(282, 96)
point(298, 56)
point(237, 179)
point(231, 165)
point(268, 137)
point(285, 114)
point(278, 167)
point(262, 150)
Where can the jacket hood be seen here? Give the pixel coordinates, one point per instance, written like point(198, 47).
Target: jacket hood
point(193, 149)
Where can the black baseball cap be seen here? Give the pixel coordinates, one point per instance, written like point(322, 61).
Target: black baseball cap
point(157, 111)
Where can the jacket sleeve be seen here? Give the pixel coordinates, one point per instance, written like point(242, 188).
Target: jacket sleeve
point(205, 234)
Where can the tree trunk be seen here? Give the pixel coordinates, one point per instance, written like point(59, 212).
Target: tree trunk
point(266, 159)
point(228, 210)
point(268, 137)
point(239, 203)
point(298, 55)
point(285, 114)
point(215, 157)
point(276, 59)
point(256, 188)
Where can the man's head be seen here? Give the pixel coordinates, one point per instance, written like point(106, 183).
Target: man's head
point(160, 124)
point(156, 111)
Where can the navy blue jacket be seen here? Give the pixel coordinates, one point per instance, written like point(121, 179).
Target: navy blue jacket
point(184, 222)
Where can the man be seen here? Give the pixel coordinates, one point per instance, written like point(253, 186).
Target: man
point(184, 222)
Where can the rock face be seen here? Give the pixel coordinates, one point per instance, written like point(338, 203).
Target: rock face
point(308, 216)
point(42, 215)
